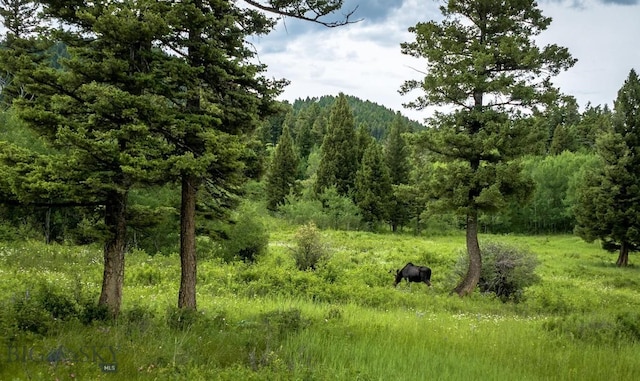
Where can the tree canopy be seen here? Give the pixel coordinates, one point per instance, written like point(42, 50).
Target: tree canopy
point(483, 63)
point(339, 164)
point(608, 206)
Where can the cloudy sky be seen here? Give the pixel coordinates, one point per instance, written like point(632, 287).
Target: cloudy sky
point(364, 59)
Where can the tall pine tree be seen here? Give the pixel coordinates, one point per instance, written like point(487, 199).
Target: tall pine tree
point(373, 186)
point(482, 63)
point(397, 159)
point(608, 206)
point(99, 111)
point(282, 174)
point(338, 164)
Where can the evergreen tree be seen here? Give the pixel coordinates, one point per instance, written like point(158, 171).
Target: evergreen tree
point(482, 62)
point(397, 159)
point(282, 175)
point(99, 111)
point(608, 206)
point(563, 115)
point(19, 17)
point(20, 21)
point(397, 152)
point(319, 128)
point(220, 94)
point(145, 74)
point(271, 128)
point(305, 139)
point(564, 139)
point(363, 141)
point(594, 120)
point(373, 186)
point(339, 163)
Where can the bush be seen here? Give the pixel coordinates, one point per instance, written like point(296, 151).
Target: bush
point(181, 319)
point(59, 303)
point(247, 238)
point(94, 312)
point(310, 249)
point(598, 328)
point(328, 210)
point(30, 316)
point(282, 322)
point(506, 270)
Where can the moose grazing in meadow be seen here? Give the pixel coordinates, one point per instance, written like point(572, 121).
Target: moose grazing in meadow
point(413, 273)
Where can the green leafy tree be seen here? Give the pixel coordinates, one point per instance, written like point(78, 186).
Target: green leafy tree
point(550, 209)
point(282, 176)
point(338, 165)
point(483, 63)
point(608, 206)
point(373, 192)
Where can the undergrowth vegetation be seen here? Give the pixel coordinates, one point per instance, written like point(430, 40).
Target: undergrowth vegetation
point(575, 315)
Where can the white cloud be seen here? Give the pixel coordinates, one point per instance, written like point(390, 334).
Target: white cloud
point(604, 39)
point(364, 59)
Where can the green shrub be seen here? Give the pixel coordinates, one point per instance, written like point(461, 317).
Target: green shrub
point(628, 324)
point(30, 316)
point(506, 270)
point(302, 211)
point(343, 213)
point(60, 304)
point(282, 322)
point(246, 239)
point(598, 328)
point(138, 314)
point(146, 275)
point(183, 318)
point(310, 249)
point(329, 210)
point(94, 312)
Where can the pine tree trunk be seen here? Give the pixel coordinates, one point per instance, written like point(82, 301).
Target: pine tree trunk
point(472, 277)
point(113, 277)
point(187, 294)
point(623, 256)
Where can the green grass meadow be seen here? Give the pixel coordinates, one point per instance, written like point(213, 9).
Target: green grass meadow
point(344, 321)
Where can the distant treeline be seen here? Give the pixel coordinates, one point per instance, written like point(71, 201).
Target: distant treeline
point(566, 150)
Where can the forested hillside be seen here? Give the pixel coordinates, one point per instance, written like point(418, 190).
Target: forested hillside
point(565, 153)
point(377, 117)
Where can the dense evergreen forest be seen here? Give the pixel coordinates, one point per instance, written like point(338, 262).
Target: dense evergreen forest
point(566, 154)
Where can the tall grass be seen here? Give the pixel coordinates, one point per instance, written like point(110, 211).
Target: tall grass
point(345, 320)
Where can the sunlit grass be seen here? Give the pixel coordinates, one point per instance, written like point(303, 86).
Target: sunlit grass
point(345, 321)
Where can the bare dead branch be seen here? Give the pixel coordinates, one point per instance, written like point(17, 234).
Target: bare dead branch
point(307, 12)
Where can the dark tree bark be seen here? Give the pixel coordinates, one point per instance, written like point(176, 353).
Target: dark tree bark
point(623, 256)
point(468, 284)
point(188, 264)
point(113, 278)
